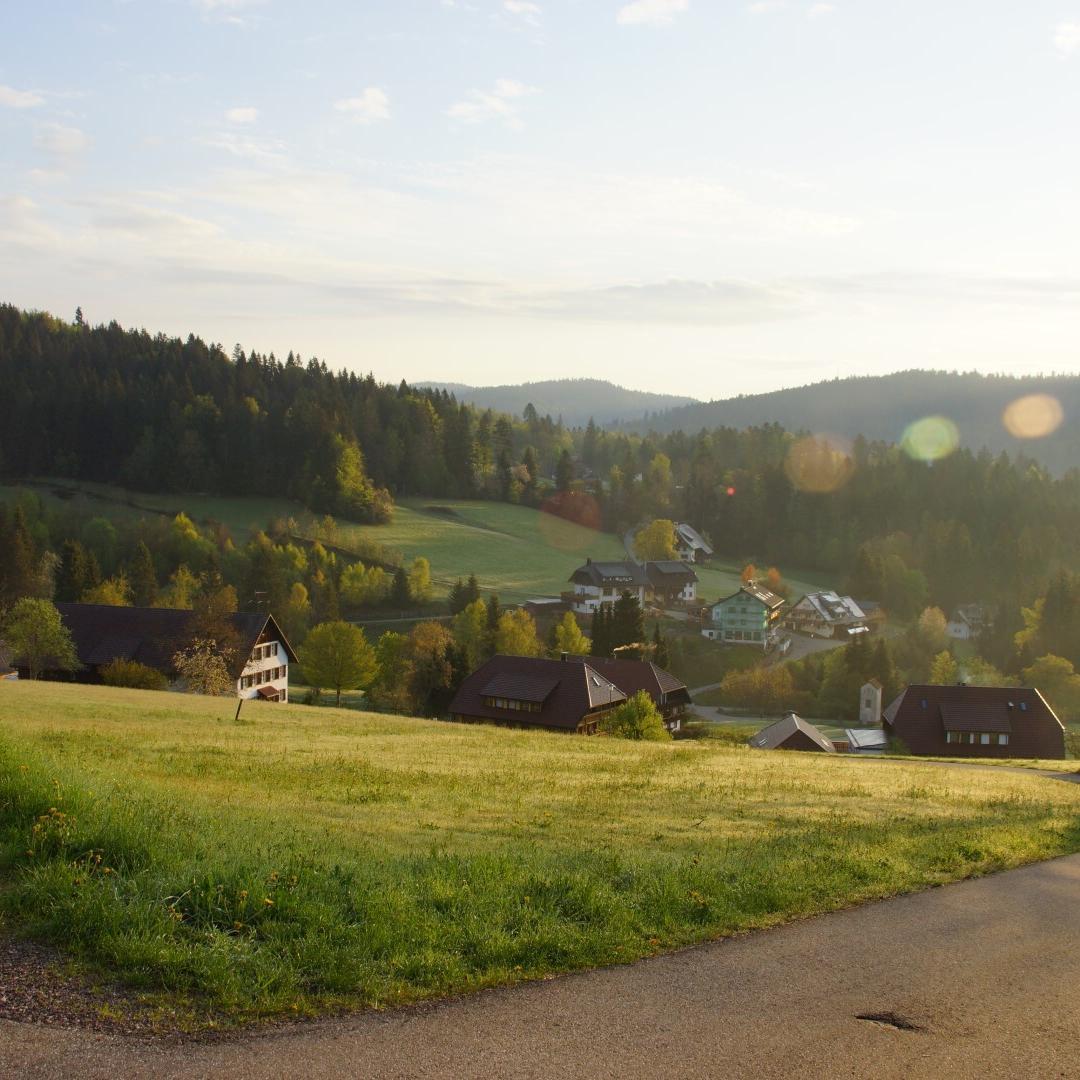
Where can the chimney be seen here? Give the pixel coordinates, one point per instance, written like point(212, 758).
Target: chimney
point(565, 656)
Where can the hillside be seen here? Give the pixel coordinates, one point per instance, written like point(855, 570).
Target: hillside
point(575, 400)
point(881, 406)
point(307, 859)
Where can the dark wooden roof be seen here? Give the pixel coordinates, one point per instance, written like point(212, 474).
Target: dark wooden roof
point(922, 714)
point(610, 574)
point(571, 688)
point(669, 573)
point(791, 733)
point(152, 636)
point(630, 676)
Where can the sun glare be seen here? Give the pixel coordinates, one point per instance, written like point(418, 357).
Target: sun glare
point(930, 439)
point(1033, 417)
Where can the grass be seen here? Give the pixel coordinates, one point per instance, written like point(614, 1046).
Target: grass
point(309, 859)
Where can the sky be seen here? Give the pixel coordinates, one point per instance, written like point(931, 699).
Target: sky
point(706, 197)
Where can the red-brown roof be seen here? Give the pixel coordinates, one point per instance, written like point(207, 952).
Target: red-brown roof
point(153, 636)
point(922, 714)
point(571, 689)
point(630, 676)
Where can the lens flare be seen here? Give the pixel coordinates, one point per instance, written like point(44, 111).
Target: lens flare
point(1033, 417)
point(930, 439)
point(819, 463)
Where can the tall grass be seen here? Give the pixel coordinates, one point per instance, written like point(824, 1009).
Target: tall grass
point(305, 861)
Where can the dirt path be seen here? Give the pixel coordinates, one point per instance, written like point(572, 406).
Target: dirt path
point(971, 980)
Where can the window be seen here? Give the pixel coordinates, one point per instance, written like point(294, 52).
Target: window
point(984, 739)
point(1003, 740)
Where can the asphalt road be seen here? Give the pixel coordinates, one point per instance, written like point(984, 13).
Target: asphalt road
point(987, 973)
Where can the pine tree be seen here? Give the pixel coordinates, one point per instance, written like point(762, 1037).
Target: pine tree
point(456, 597)
point(627, 622)
point(660, 648)
point(73, 577)
point(400, 595)
point(142, 577)
point(601, 633)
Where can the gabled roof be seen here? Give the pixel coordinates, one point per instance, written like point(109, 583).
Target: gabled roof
point(692, 538)
point(570, 688)
point(775, 735)
point(669, 573)
point(152, 636)
point(630, 676)
point(758, 593)
point(610, 574)
point(831, 607)
point(970, 708)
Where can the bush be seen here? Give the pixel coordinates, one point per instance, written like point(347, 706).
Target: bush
point(637, 718)
point(133, 675)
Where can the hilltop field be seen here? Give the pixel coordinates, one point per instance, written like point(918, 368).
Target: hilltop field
point(309, 859)
point(516, 551)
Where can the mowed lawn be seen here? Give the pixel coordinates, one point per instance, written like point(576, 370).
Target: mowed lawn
point(306, 859)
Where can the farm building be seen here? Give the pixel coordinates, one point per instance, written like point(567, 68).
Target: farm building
point(599, 584)
point(870, 703)
point(966, 623)
point(670, 582)
point(828, 615)
point(750, 616)
point(866, 740)
point(975, 721)
point(690, 545)
point(669, 694)
point(522, 691)
point(152, 636)
point(792, 733)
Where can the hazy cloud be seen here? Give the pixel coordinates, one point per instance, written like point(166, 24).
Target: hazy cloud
point(528, 11)
point(371, 107)
point(11, 98)
point(1067, 38)
point(655, 12)
point(499, 103)
point(60, 140)
point(819, 11)
point(242, 114)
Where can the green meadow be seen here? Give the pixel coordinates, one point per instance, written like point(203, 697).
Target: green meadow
point(304, 860)
point(516, 551)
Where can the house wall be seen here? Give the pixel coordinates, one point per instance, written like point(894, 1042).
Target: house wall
point(267, 666)
point(740, 619)
point(587, 598)
point(869, 706)
point(960, 631)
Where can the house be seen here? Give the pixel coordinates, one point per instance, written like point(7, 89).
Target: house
point(690, 545)
point(669, 694)
point(975, 721)
point(792, 733)
point(870, 703)
point(600, 584)
point(153, 636)
point(670, 582)
point(866, 741)
point(967, 622)
point(751, 615)
point(828, 615)
point(568, 695)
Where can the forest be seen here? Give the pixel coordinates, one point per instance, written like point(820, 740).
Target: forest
point(157, 413)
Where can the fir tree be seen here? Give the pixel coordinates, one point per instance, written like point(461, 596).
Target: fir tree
point(400, 594)
point(142, 577)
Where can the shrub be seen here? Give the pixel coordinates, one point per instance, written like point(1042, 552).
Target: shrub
point(637, 718)
point(133, 675)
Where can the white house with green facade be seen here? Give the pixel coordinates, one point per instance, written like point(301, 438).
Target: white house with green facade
point(750, 616)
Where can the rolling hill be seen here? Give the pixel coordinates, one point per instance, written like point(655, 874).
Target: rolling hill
point(575, 400)
point(880, 407)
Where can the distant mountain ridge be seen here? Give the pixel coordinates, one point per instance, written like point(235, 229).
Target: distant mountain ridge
point(880, 407)
point(575, 400)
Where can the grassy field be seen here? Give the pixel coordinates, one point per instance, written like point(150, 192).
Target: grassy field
point(514, 550)
point(307, 859)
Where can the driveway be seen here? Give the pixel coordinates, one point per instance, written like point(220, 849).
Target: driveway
point(971, 980)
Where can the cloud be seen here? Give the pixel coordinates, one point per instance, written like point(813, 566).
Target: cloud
point(820, 11)
point(19, 99)
point(498, 103)
point(371, 107)
point(1067, 38)
point(242, 114)
point(653, 12)
point(227, 11)
point(529, 12)
point(764, 7)
point(266, 151)
point(61, 141)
